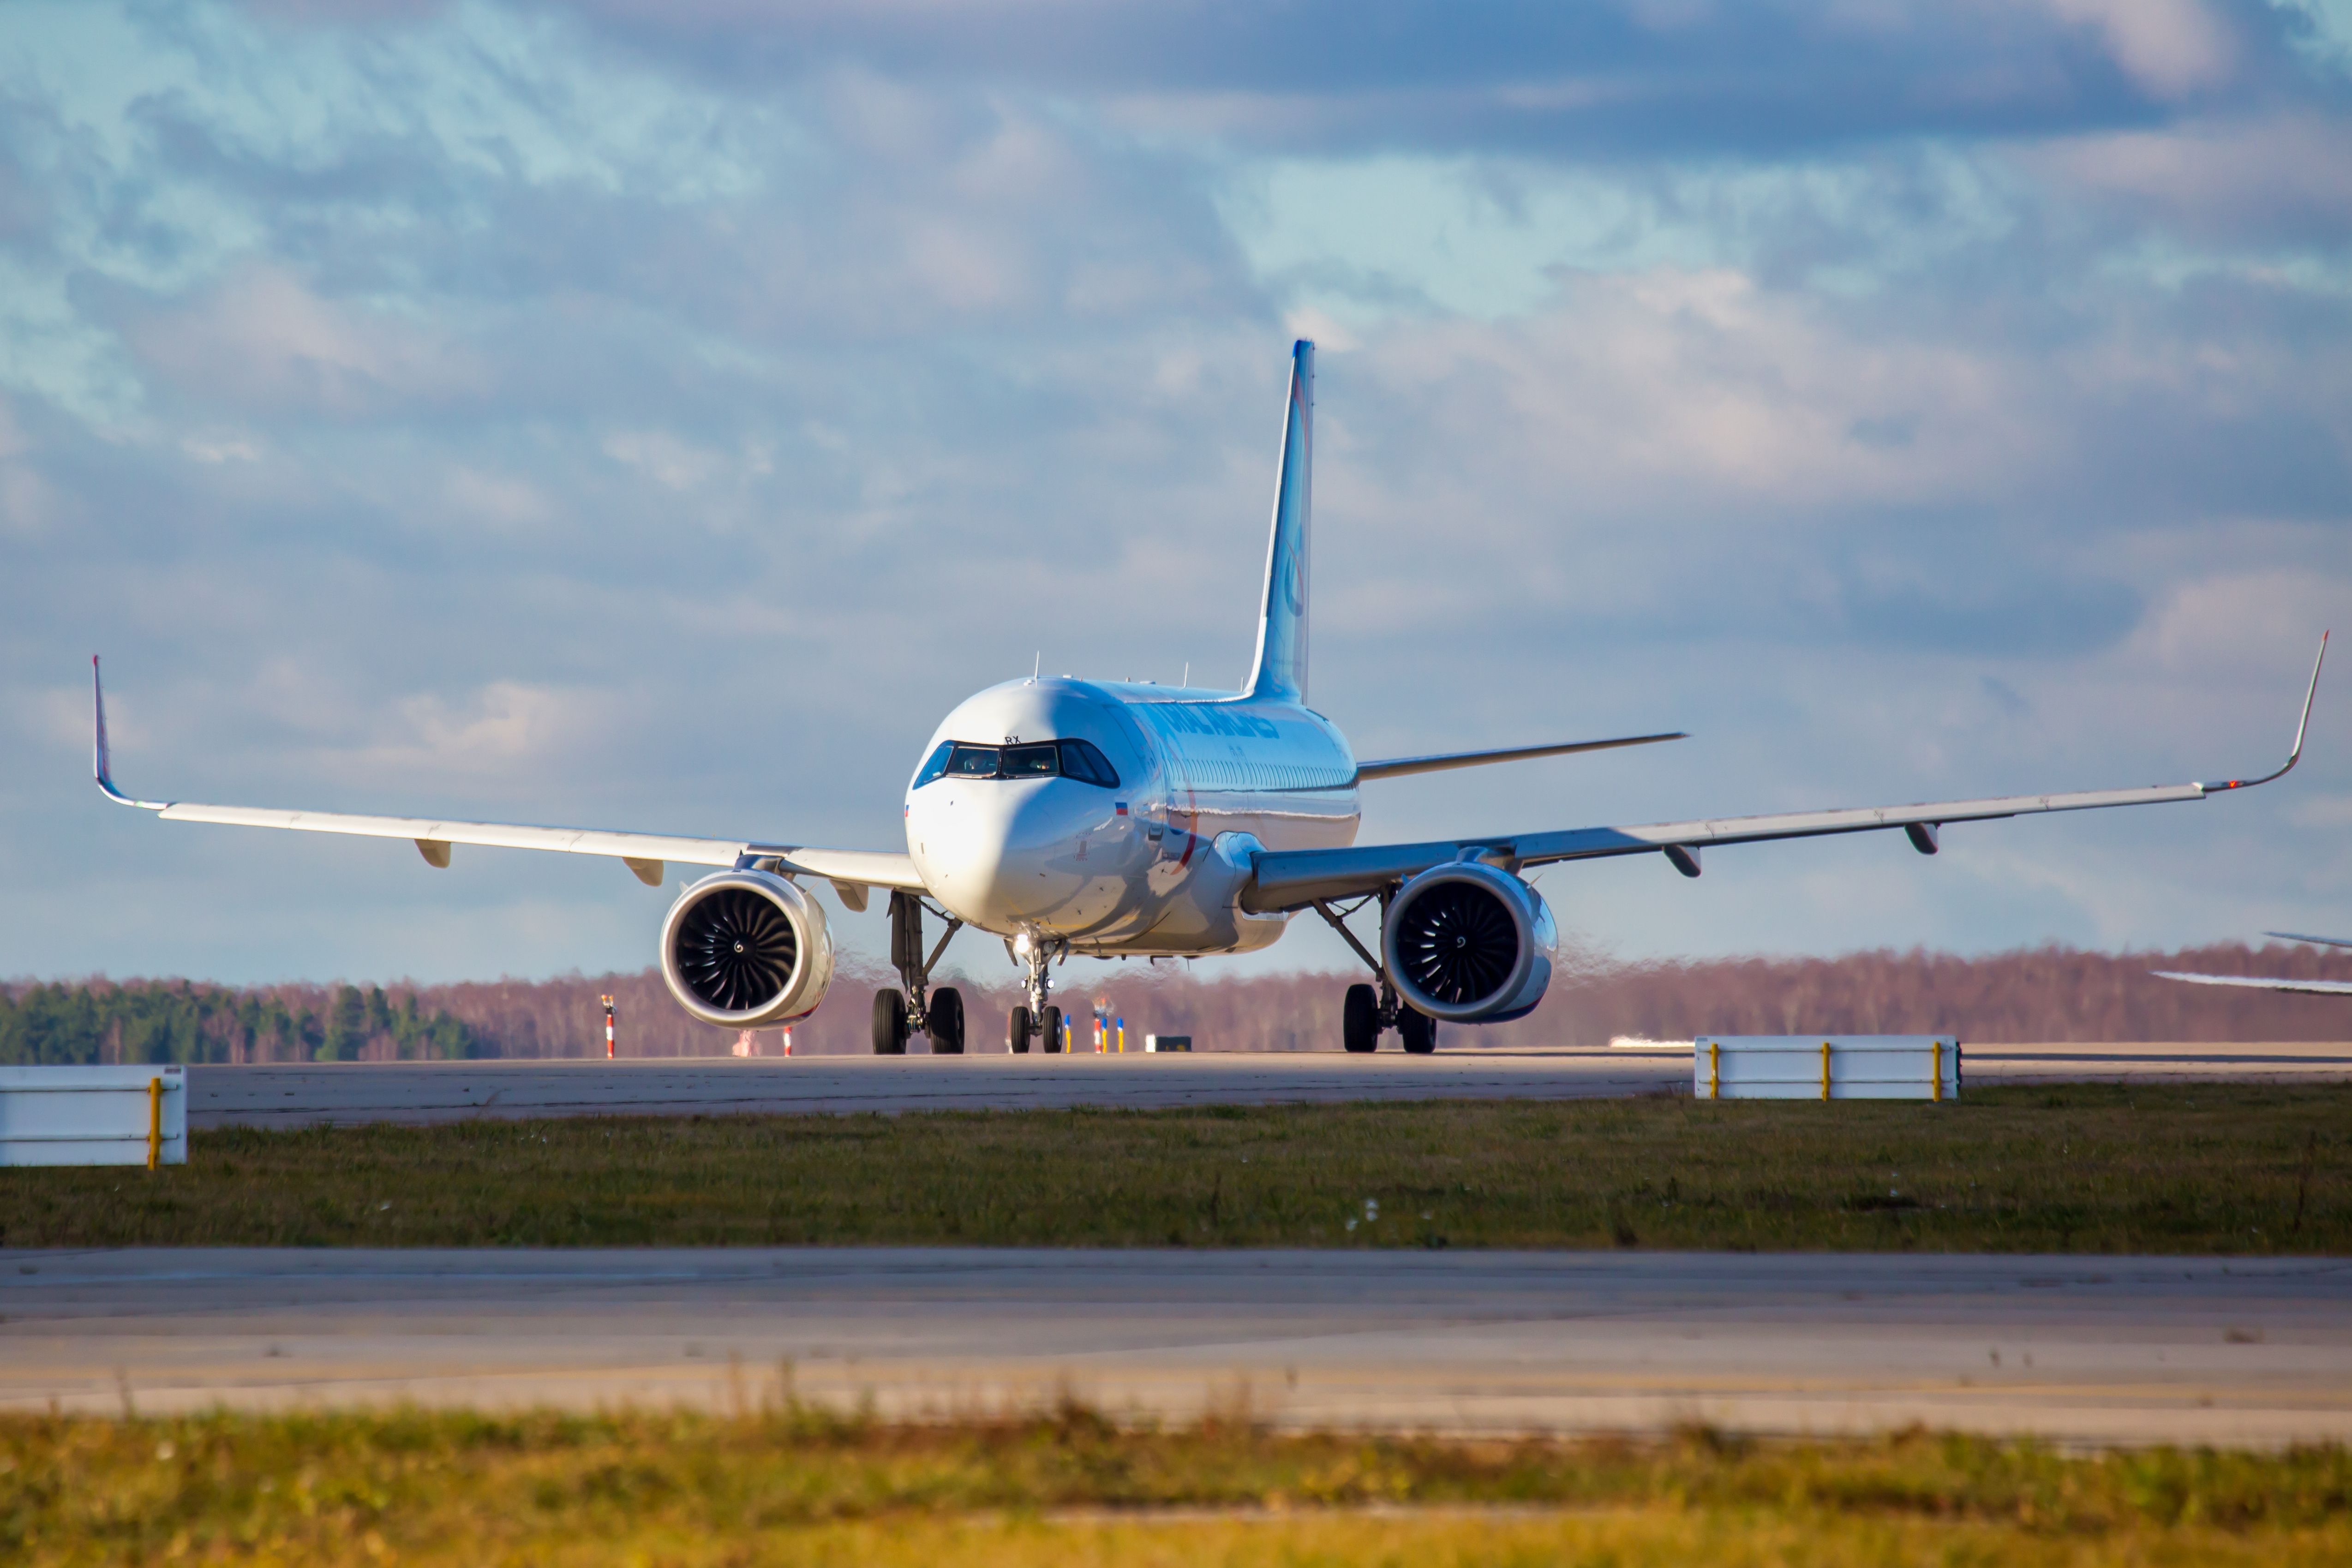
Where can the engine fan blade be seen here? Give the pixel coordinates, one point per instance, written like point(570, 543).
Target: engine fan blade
point(1459, 942)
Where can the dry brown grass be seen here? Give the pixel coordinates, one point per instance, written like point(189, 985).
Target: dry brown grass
point(792, 1485)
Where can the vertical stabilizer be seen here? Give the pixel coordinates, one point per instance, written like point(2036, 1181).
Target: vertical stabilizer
point(1280, 671)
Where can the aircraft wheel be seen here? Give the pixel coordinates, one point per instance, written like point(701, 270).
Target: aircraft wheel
point(889, 1022)
point(1017, 1031)
point(1419, 1030)
point(1360, 1020)
point(1053, 1045)
point(947, 1022)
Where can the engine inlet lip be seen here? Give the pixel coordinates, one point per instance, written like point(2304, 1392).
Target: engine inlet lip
point(798, 911)
point(1494, 884)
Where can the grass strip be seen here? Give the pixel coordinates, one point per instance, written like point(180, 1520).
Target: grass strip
point(793, 1483)
point(2231, 1169)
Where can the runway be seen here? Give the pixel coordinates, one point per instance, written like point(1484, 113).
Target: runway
point(344, 1093)
point(2088, 1351)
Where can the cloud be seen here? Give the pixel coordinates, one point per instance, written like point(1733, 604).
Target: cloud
point(262, 341)
point(2282, 179)
point(657, 416)
point(2173, 48)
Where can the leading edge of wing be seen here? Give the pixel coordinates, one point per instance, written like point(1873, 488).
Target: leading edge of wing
point(1439, 762)
point(871, 867)
point(2308, 987)
point(1295, 878)
point(433, 835)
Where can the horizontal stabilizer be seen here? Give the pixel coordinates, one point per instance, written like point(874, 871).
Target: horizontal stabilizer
point(1439, 762)
point(2314, 940)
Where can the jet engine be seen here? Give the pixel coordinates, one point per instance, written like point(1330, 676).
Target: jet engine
point(1469, 944)
point(744, 949)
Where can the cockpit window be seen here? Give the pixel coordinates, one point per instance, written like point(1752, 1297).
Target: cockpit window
point(973, 762)
point(1030, 762)
point(1079, 760)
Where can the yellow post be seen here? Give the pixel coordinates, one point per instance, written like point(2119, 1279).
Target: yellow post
point(1935, 1090)
point(154, 1120)
point(1826, 1069)
point(1714, 1069)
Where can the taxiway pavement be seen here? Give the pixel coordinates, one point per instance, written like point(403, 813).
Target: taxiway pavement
point(313, 1094)
point(2078, 1349)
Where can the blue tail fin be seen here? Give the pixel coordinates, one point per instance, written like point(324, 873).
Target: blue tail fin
point(1281, 669)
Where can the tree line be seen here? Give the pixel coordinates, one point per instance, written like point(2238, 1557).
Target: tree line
point(97, 1022)
point(2034, 995)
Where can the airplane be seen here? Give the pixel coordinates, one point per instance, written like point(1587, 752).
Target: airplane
point(1118, 819)
point(2306, 987)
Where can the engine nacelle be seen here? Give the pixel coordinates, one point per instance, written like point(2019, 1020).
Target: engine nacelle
point(744, 949)
point(1469, 944)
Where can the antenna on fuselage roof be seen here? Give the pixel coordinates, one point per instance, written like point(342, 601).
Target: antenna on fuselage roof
point(1037, 667)
point(1186, 681)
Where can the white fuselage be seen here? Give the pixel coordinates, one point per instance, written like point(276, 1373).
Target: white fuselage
point(1152, 865)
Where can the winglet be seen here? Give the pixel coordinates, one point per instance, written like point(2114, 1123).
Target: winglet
point(101, 756)
point(2294, 754)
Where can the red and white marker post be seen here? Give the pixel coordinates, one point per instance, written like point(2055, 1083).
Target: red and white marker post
point(608, 1026)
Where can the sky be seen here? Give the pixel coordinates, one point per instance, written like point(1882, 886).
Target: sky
point(655, 415)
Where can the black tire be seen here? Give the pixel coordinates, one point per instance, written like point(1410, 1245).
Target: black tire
point(947, 1022)
point(1418, 1031)
point(1052, 1045)
point(1359, 1021)
point(889, 1022)
point(1017, 1031)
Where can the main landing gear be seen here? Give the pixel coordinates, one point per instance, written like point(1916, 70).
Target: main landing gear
point(1368, 1012)
point(1035, 1020)
point(917, 1009)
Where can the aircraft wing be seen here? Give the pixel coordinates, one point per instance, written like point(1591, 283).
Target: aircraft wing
point(644, 853)
point(2310, 987)
point(1298, 879)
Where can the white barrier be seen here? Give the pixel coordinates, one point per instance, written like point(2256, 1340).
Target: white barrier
point(1826, 1067)
point(1155, 1043)
point(94, 1116)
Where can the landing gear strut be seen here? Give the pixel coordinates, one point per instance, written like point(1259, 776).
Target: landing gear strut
point(1369, 1013)
point(1036, 1019)
point(917, 1009)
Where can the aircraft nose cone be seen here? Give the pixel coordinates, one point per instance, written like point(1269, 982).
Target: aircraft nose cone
point(998, 853)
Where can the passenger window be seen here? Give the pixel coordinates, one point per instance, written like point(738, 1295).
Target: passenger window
point(1031, 762)
point(935, 766)
point(1081, 761)
point(972, 762)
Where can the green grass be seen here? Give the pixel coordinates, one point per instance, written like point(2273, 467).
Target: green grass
point(2230, 1169)
point(790, 1485)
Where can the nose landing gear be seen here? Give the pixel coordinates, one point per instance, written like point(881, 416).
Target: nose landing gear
point(1036, 1020)
point(917, 1009)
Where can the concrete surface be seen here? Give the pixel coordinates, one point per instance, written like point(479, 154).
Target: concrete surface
point(444, 1092)
point(2081, 1350)
point(448, 1092)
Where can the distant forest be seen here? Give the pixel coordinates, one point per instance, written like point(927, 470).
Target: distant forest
point(2045, 994)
